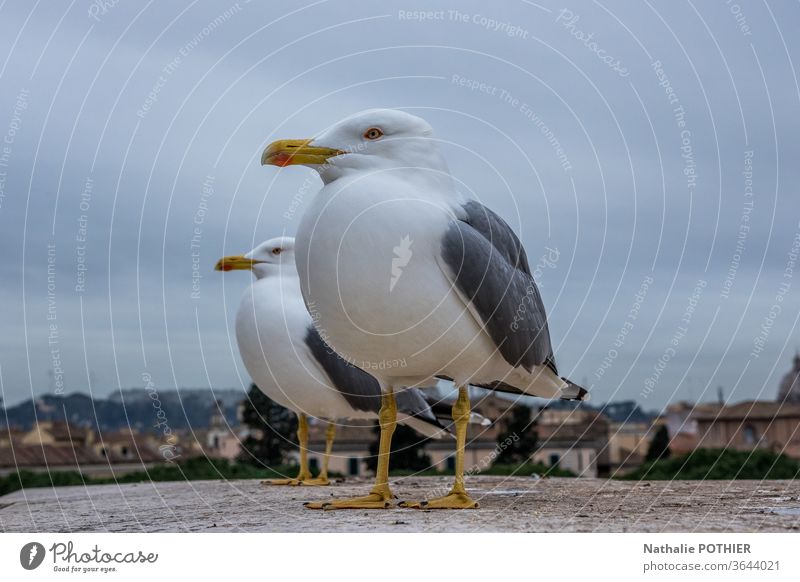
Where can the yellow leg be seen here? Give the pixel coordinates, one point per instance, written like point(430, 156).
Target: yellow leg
point(322, 479)
point(305, 473)
point(381, 496)
point(457, 498)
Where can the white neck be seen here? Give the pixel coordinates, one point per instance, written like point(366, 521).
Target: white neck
point(283, 270)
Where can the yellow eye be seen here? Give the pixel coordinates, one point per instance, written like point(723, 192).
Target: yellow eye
point(276, 251)
point(373, 133)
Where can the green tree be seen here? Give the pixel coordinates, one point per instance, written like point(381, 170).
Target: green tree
point(518, 438)
point(659, 446)
point(704, 464)
point(408, 450)
point(273, 430)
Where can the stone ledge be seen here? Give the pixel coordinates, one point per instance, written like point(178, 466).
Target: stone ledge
point(508, 504)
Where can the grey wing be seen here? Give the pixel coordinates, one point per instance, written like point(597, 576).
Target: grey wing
point(413, 403)
point(489, 267)
point(443, 410)
point(360, 389)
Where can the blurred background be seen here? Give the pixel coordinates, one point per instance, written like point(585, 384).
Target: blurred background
point(645, 153)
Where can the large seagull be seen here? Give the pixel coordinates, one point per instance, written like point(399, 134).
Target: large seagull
point(290, 362)
point(413, 280)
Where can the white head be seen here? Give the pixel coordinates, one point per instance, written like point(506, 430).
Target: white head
point(371, 140)
point(272, 257)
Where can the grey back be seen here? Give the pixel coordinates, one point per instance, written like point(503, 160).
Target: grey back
point(490, 268)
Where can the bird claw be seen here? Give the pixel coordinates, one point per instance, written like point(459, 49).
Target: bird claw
point(371, 501)
point(316, 482)
point(450, 501)
point(281, 482)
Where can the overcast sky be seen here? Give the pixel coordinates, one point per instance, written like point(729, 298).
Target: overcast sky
point(647, 153)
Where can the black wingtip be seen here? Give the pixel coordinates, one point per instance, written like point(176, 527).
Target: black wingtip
point(575, 392)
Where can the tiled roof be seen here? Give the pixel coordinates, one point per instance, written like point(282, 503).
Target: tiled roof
point(47, 455)
point(753, 409)
point(63, 431)
point(789, 389)
point(24, 456)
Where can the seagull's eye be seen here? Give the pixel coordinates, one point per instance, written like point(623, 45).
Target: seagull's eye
point(276, 251)
point(373, 133)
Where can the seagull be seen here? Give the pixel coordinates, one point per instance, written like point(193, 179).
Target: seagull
point(397, 266)
point(291, 363)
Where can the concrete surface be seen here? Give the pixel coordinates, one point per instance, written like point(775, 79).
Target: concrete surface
point(508, 504)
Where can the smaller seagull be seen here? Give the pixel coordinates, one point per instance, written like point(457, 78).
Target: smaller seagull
point(291, 363)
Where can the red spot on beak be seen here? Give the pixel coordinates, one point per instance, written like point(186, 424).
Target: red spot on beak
point(281, 159)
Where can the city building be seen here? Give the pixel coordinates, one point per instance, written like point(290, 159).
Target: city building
point(789, 388)
point(753, 424)
point(680, 419)
point(574, 439)
point(220, 440)
point(63, 446)
point(630, 430)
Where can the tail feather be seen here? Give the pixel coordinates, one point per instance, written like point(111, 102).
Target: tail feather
point(443, 410)
point(574, 392)
point(430, 428)
point(414, 410)
point(556, 387)
point(475, 418)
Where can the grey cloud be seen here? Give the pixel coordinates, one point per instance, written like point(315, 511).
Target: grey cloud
point(210, 116)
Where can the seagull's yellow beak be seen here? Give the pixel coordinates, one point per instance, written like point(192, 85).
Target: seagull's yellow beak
point(235, 263)
point(288, 152)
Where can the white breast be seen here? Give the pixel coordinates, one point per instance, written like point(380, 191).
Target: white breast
point(271, 325)
point(384, 302)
